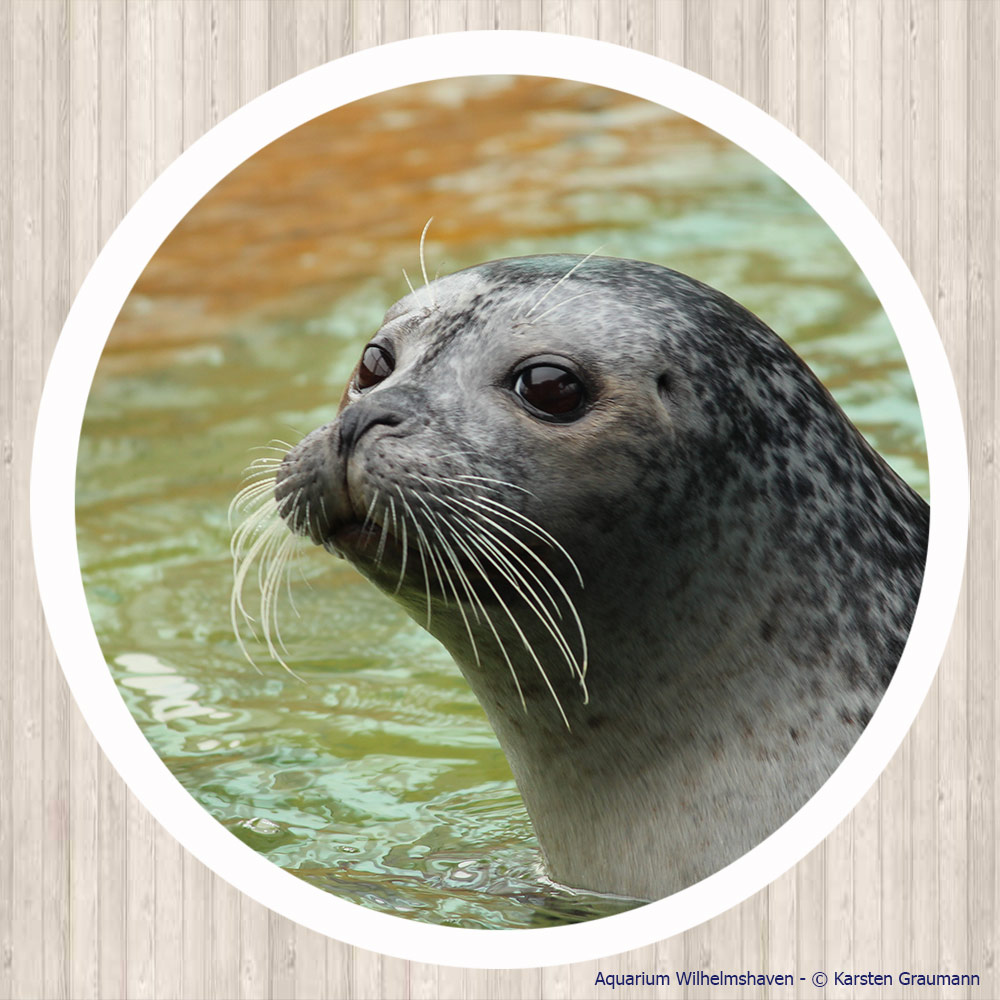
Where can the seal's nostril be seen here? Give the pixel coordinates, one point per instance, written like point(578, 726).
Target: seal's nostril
point(360, 417)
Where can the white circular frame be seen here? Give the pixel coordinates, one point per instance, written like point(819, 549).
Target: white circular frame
point(169, 199)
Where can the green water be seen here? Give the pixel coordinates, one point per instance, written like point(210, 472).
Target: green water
point(378, 778)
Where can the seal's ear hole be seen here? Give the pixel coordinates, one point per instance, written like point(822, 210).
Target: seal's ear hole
point(665, 385)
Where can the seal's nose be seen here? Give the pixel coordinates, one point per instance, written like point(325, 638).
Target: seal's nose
point(360, 417)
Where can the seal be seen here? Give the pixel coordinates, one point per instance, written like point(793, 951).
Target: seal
point(676, 576)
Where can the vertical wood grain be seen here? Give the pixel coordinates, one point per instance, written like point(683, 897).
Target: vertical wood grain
point(99, 96)
point(522, 15)
point(27, 825)
point(8, 575)
point(54, 305)
point(8, 487)
point(981, 425)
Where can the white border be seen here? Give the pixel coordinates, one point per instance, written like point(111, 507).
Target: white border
point(169, 199)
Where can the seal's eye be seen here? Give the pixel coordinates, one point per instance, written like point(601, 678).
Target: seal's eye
point(551, 389)
point(376, 366)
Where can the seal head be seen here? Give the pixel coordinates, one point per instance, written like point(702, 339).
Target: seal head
point(676, 576)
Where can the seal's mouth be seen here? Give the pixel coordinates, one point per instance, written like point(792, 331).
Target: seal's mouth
point(451, 544)
point(395, 565)
point(312, 496)
point(313, 507)
point(355, 535)
point(360, 541)
point(447, 537)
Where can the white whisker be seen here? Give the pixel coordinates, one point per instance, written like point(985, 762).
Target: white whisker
point(399, 533)
point(578, 264)
point(470, 555)
point(466, 585)
point(487, 534)
point(465, 479)
point(262, 541)
point(559, 305)
point(368, 515)
point(420, 548)
point(532, 527)
point(423, 261)
point(528, 593)
point(381, 540)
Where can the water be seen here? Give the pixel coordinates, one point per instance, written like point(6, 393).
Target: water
point(378, 778)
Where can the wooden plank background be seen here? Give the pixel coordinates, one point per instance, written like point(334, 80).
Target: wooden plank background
point(98, 96)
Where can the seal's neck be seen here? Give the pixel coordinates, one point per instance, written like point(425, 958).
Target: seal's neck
point(730, 670)
point(709, 721)
point(668, 773)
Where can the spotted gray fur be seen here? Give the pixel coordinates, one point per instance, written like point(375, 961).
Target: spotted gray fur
point(750, 565)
